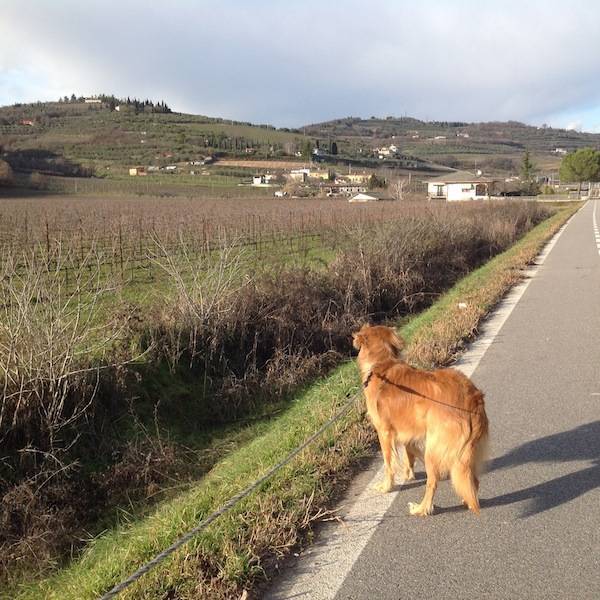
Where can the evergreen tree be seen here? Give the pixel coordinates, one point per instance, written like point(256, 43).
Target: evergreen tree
point(527, 167)
point(582, 165)
point(307, 149)
point(529, 186)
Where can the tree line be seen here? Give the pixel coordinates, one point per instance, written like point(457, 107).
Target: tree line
point(137, 104)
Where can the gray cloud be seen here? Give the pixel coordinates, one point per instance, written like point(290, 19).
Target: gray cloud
point(299, 61)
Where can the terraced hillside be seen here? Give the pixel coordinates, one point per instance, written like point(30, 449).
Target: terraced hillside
point(76, 137)
point(493, 146)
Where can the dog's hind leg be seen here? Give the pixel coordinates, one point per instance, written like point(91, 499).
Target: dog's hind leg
point(425, 508)
point(466, 485)
point(386, 441)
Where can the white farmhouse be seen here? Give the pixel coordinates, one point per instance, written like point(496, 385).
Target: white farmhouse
point(384, 151)
point(460, 185)
point(370, 197)
point(262, 180)
point(299, 175)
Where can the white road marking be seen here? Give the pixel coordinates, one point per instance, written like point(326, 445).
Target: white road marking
point(595, 224)
point(324, 566)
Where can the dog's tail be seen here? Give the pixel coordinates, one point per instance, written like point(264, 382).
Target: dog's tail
point(465, 471)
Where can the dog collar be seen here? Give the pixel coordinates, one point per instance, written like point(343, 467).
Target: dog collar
point(367, 380)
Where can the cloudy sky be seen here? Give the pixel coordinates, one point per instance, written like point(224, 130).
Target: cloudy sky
point(292, 62)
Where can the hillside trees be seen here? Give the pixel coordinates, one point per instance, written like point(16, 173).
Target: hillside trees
point(376, 181)
point(579, 166)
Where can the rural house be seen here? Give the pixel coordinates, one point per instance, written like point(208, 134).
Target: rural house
point(137, 171)
point(384, 151)
point(370, 197)
point(299, 175)
point(357, 177)
point(319, 174)
point(460, 185)
point(262, 180)
point(335, 189)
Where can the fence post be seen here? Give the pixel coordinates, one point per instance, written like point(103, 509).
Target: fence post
point(121, 248)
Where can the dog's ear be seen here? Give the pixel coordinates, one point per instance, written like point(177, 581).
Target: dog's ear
point(358, 339)
point(396, 342)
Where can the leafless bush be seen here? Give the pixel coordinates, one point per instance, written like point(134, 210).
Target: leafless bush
point(235, 332)
point(53, 347)
point(205, 284)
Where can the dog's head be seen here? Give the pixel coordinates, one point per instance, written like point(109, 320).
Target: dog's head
point(377, 343)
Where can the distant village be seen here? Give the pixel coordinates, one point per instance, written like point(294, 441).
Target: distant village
point(371, 186)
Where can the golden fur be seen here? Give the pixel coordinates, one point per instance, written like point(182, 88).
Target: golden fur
point(438, 416)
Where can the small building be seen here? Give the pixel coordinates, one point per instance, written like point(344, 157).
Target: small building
point(357, 177)
point(300, 175)
point(137, 171)
point(460, 185)
point(386, 151)
point(322, 174)
point(341, 189)
point(92, 100)
point(171, 168)
point(370, 197)
point(262, 180)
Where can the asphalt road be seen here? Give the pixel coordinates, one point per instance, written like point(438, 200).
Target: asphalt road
point(538, 535)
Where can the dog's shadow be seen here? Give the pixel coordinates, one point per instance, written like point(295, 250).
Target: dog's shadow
point(579, 444)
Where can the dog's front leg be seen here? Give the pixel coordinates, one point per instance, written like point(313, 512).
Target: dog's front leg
point(425, 508)
point(386, 441)
point(409, 465)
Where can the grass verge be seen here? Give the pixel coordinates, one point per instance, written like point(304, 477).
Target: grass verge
point(241, 548)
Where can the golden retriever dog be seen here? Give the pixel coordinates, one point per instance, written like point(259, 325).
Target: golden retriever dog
point(438, 416)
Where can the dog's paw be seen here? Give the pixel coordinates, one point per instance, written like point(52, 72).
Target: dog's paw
point(383, 486)
point(408, 475)
point(418, 511)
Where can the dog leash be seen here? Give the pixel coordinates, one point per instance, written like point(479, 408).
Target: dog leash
point(405, 388)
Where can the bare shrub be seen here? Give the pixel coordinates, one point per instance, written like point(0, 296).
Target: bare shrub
point(205, 284)
point(53, 347)
point(38, 180)
point(7, 177)
point(237, 332)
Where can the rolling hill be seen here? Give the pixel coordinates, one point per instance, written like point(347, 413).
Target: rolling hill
point(106, 136)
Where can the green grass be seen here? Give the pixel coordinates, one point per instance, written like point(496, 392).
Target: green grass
point(110, 557)
point(230, 555)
